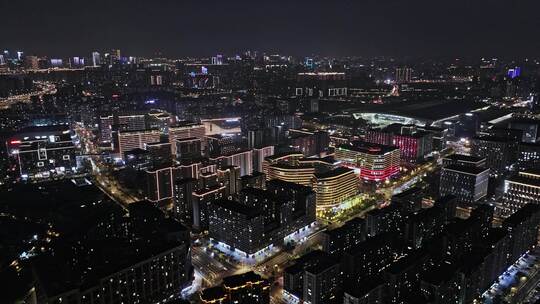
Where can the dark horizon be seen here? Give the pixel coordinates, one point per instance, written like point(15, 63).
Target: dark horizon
point(347, 28)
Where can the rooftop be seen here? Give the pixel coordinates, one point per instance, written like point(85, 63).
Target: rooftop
point(334, 173)
point(465, 169)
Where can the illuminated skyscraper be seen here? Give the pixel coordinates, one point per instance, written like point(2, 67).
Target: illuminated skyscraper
point(403, 75)
point(96, 59)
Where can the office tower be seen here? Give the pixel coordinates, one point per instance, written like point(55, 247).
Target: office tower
point(31, 62)
point(43, 152)
point(313, 278)
point(520, 189)
point(334, 187)
point(129, 140)
point(96, 59)
point(375, 162)
point(500, 153)
point(403, 75)
point(160, 153)
point(289, 158)
point(259, 154)
point(185, 130)
point(246, 288)
point(188, 149)
point(2, 59)
point(464, 160)
point(468, 184)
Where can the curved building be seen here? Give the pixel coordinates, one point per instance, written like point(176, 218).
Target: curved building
point(333, 187)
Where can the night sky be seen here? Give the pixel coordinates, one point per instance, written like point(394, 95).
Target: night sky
point(297, 27)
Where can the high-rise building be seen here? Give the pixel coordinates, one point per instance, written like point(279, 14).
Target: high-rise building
point(160, 184)
point(31, 62)
point(220, 145)
point(123, 122)
point(160, 153)
point(105, 128)
point(500, 153)
point(519, 190)
point(242, 159)
point(188, 149)
point(241, 227)
point(403, 75)
point(185, 130)
point(129, 140)
point(334, 187)
point(115, 56)
point(217, 60)
point(313, 278)
point(413, 143)
point(183, 200)
point(308, 142)
point(259, 154)
point(468, 184)
point(522, 227)
point(255, 138)
point(229, 176)
point(261, 218)
point(202, 198)
point(339, 239)
point(96, 59)
point(528, 156)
